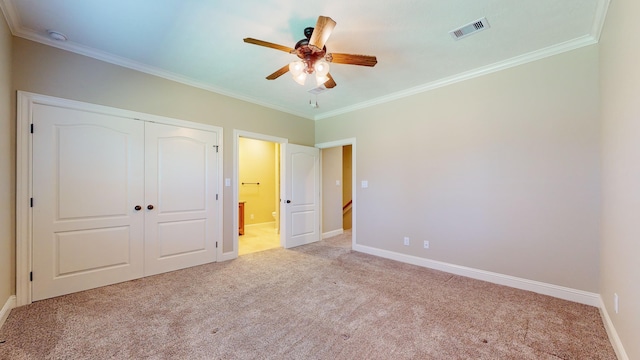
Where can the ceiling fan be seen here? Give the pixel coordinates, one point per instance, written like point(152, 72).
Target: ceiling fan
point(314, 58)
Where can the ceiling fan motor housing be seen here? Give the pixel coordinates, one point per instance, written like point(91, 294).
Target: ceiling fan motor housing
point(309, 53)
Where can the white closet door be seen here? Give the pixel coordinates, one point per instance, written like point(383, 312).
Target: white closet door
point(180, 187)
point(87, 180)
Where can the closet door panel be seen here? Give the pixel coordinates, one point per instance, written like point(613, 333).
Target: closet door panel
point(180, 188)
point(87, 180)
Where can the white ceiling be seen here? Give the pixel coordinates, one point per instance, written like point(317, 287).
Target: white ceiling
point(199, 42)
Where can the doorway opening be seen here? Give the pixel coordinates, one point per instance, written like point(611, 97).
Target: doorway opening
point(258, 195)
point(338, 189)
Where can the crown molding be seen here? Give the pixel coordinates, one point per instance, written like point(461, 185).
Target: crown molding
point(492, 68)
point(600, 14)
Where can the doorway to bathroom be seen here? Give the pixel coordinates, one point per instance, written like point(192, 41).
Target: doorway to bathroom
point(258, 195)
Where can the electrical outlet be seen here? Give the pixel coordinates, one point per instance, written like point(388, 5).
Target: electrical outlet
point(426, 244)
point(406, 241)
point(251, 216)
point(616, 307)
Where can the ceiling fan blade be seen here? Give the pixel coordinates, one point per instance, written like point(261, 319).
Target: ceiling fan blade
point(268, 44)
point(283, 70)
point(330, 84)
point(322, 31)
point(351, 59)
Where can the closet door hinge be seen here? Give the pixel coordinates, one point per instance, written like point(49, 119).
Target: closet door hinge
point(216, 196)
point(31, 128)
point(31, 202)
point(31, 276)
point(216, 244)
point(216, 146)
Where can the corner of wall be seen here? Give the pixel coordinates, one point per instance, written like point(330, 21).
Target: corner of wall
point(6, 309)
point(612, 333)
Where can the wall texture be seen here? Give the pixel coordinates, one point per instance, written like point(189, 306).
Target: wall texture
point(620, 89)
point(499, 173)
point(7, 168)
point(49, 71)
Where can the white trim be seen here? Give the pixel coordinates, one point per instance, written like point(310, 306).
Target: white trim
point(229, 255)
point(599, 18)
point(24, 179)
point(220, 191)
point(237, 134)
point(10, 15)
point(592, 38)
point(492, 68)
point(6, 309)
point(354, 188)
point(561, 292)
point(23, 194)
point(621, 354)
point(332, 233)
point(17, 30)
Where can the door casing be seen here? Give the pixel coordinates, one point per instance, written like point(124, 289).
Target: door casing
point(237, 134)
point(343, 142)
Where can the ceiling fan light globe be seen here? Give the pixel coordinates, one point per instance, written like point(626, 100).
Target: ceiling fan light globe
point(321, 79)
point(300, 78)
point(296, 68)
point(321, 68)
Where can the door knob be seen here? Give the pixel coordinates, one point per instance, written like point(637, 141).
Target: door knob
point(138, 207)
point(288, 201)
point(150, 207)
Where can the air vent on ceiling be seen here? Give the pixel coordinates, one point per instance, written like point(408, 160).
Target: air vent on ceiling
point(470, 28)
point(320, 89)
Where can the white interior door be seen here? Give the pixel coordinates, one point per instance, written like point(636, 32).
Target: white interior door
point(180, 194)
point(302, 195)
point(87, 181)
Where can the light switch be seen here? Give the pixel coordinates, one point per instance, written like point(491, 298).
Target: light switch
point(365, 184)
point(337, 182)
point(227, 182)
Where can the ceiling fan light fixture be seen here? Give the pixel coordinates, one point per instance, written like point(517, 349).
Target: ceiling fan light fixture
point(296, 68)
point(321, 68)
point(321, 79)
point(300, 78)
point(313, 58)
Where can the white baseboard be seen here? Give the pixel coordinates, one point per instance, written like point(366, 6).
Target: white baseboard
point(579, 296)
point(6, 309)
point(613, 334)
point(226, 256)
point(332, 233)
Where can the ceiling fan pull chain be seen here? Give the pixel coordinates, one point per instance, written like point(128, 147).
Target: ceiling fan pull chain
point(315, 106)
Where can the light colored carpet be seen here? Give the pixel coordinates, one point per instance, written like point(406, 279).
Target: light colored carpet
point(320, 301)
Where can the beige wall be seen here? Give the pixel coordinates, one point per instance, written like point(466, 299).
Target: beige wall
point(331, 193)
point(620, 93)
point(257, 163)
point(46, 70)
point(500, 173)
point(7, 169)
